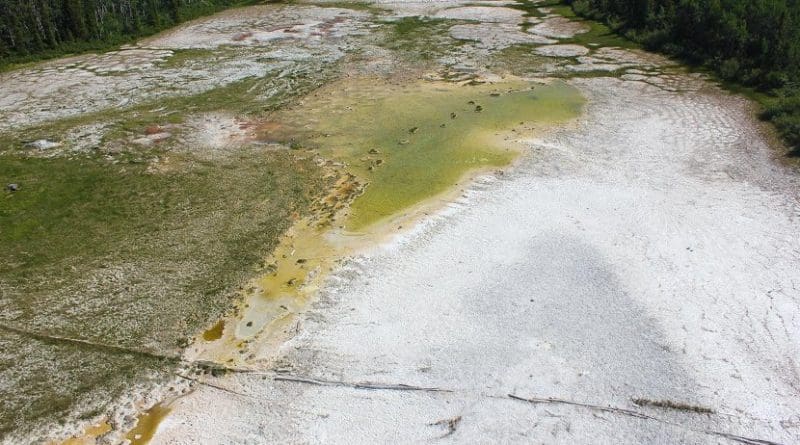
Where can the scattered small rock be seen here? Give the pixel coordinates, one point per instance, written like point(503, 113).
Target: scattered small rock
point(373, 151)
point(452, 115)
point(478, 109)
point(12, 187)
point(413, 130)
point(249, 323)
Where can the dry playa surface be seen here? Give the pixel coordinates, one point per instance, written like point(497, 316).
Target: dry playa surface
point(242, 44)
point(632, 278)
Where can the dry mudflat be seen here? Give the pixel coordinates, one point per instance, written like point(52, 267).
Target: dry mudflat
point(631, 277)
point(638, 266)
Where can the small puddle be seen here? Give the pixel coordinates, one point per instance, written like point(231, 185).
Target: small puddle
point(214, 332)
point(146, 424)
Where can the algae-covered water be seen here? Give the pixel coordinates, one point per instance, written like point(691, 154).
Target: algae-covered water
point(414, 141)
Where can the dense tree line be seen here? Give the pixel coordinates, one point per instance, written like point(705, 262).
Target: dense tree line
point(39, 28)
point(752, 42)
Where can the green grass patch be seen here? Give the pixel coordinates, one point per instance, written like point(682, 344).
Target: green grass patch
point(530, 8)
point(354, 5)
point(183, 57)
point(97, 247)
point(420, 38)
point(116, 255)
point(599, 34)
point(519, 60)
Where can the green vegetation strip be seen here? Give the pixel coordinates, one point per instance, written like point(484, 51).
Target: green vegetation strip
point(420, 38)
point(114, 255)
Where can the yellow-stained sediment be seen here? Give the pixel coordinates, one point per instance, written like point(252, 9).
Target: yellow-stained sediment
point(394, 147)
point(398, 151)
point(293, 273)
point(89, 436)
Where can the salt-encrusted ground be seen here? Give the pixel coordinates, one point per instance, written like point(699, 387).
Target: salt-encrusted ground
point(645, 254)
point(647, 251)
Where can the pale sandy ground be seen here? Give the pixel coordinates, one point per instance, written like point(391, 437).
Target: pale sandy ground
point(649, 251)
point(137, 73)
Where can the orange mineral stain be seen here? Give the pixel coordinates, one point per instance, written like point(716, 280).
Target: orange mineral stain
point(89, 436)
point(147, 424)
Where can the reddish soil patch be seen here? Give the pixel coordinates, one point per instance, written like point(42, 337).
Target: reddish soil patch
point(271, 131)
point(269, 127)
point(241, 36)
point(153, 129)
point(326, 27)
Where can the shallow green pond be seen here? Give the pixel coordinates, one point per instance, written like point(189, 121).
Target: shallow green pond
point(412, 142)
